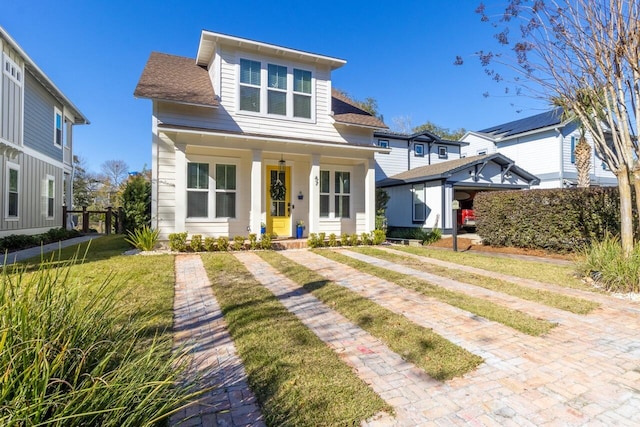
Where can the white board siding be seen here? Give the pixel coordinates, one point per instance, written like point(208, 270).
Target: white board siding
point(477, 144)
point(32, 215)
point(537, 154)
point(400, 207)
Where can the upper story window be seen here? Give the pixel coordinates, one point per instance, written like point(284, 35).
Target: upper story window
point(442, 152)
point(418, 149)
point(275, 90)
point(11, 84)
point(383, 143)
point(58, 123)
point(250, 85)
point(302, 93)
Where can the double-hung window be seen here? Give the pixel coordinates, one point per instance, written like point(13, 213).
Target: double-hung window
point(442, 152)
point(418, 150)
point(573, 150)
point(277, 90)
point(301, 93)
point(50, 186)
point(197, 190)
point(250, 85)
point(340, 196)
point(13, 191)
point(225, 191)
point(58, 124)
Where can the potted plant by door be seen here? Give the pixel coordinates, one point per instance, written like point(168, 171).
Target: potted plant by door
point(299, 229)
point(263, 228)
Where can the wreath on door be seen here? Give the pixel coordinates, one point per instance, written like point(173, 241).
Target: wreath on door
point(277, 190)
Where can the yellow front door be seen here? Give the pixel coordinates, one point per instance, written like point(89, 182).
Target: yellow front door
point(279, 201)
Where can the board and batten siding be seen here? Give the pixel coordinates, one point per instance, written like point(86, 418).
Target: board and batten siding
point(39, 119)
point(32, 200)
point(12, 99)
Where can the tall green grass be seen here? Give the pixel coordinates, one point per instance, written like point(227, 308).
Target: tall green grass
point(606, 264)
point(70, 356)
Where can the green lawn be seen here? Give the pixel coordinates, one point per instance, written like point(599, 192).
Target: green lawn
point(542, 296)
point(515, 319)
point(440, 358)
point(297, 378)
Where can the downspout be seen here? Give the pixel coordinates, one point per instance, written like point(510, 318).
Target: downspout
point(409, 154)
point(429, 146)
point(561, 157)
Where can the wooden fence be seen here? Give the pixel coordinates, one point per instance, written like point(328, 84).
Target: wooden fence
point(111, 218)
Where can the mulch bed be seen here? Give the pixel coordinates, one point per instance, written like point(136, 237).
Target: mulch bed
point(466, 244)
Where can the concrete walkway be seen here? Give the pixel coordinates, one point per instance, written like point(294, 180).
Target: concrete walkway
point(17, 256)
point(201, 330)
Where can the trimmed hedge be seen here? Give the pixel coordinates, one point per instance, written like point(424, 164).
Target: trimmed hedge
point(16, 242)
point(559, 220)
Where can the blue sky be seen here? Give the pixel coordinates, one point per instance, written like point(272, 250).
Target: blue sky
point(400, 53)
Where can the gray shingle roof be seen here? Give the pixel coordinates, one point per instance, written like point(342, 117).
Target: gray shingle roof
point(539, 121)
point(448, 168)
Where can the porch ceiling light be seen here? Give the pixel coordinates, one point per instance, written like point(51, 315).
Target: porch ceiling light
point(281, 164)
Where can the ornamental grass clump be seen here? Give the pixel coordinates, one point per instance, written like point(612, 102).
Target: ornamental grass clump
point(605, 264)
point(143, 238)
point(69, 355)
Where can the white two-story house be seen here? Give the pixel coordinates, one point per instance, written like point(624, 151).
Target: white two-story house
point(543, 144)
point(249, 133)
point(36, 144)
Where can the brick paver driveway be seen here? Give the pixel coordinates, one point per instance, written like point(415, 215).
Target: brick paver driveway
point(586, 371)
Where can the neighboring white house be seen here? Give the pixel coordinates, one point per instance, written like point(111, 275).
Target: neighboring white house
point(544, 145)
point(248, 133)
point(36, 144)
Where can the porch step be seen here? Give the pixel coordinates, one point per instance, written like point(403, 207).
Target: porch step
point(289, 244)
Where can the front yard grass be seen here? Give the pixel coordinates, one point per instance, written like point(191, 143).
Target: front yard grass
point(88, 342)
point(562, 275)
point(515, 319)
point(542, 296)
point(297, 379)
point(438, 357)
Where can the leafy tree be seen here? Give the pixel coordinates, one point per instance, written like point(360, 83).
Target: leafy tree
point(136, 202)
point(587, 54)
point(369, 104)
point(382, 198)
point(442, 132)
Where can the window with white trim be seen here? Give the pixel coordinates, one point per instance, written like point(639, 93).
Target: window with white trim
point(250, 85)
point(383, 143)
point(58, 125)
point(301, 93)
point(50, 188)
point(336, 203)
point(419, 203)
point(11, 85)
point(342, 194)
point(275, 90)
point(197, 190)
point(442, 152)
point(13, 191)
point(418, 150)
point(225, 191)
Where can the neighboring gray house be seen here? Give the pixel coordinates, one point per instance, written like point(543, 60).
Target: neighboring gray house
point(544, 145)
point(36, 144)
point(422, 197)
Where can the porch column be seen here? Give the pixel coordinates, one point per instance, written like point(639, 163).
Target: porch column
point(181, 189)
point(255, 214)
point(314, 194)
point(370, 195)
